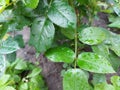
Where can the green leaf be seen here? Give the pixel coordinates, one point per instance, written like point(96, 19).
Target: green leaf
point(42, 34)
point(4, 79)
point(23, 86)
point(21, 65)
point(116, 82)
point(19, 39)
point(60, 54)
point(3, 30)
point(7, 88)
point(11, 57)
point(8, 46)
point(31, 3)
point(115, 24)
point(35, 71)
point(75, 79)
point(114, 60)
point(104, 86)
point(94, 63)
point(115, 44)
point(2, 64)
point(92, 35)
point(62, 14)
point(6, 16)
point(69, 33)
point(99, 78)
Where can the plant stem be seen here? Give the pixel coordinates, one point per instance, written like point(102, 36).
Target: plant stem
point(76, 46)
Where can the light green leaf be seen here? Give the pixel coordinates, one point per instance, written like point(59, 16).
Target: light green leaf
point(75, 79)
point(99, 78)
point(116, 82)
point(6, 16)
point(8, 46)
point(115, 24)
point(42, 34)
point(115, 44)
point(62, 14)
point(94, 63)
point(104, 86)
point(4, 79)
point(21, 65)
point(7, 88)
point(60, 54)
point(35, 71)
point(2, 64)
point(31, 3)
point(92, 35)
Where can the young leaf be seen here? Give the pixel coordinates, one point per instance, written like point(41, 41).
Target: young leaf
point(8, 88)
point(21, 65)
point(92, 35)
point(75, 79)
point(94, 63)
point(60, 54)
point(31, 3)
point(62, 14)
point(116, 82)
point(42, 34)
point(8, 46)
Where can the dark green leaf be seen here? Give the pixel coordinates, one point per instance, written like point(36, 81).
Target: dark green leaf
point(69, 33)
point(42, 34)
point(8, 46)
point(75, 79)
point(92, 35)
point(62, 14)
point(60, 54)
point(11, 57)
point(94, 63)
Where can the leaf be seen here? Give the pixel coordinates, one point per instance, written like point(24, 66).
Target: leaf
point(8, 46)
point(98, 78)
point(60, 54)
point(62, 14)
point(69, 33)
point(104, 86)
point(6, 16)
point(3, 30)
point(11, 57)
point(8, 88)
point(2, 64)
point(94, 63)
point(42, 34)
point(114, 60)
point(4, 79)
point(115, 44)
point(116, 82)
point(75, 79)
point(116, 8)
point(31, 3)
point(21, 65)
point(92, 35)
point(35, 71)
point(115, 24)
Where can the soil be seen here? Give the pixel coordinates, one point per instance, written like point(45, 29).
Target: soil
point(52, 71)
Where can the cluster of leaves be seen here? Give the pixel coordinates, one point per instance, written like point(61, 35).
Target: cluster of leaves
point(22, 75)
point(51, 21)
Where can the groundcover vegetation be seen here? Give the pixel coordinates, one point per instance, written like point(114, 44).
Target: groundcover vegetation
point(58, 31)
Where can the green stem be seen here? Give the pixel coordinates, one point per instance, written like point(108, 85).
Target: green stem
point(76, 47)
